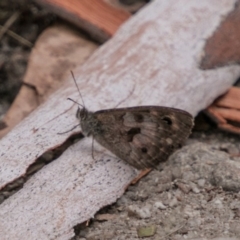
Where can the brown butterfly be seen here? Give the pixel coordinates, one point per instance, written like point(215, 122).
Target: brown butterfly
point(142, 136)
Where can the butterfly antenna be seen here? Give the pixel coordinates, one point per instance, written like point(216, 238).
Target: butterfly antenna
point(75, 102)
point(78, 91)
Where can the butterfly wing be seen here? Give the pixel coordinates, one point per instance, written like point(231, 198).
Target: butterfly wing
point(142, 136)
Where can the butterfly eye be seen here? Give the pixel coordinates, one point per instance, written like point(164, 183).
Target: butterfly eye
point(81, 113)
point(168, 120)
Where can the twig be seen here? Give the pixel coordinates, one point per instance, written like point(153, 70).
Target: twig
point(9, 23)
point(17, 37)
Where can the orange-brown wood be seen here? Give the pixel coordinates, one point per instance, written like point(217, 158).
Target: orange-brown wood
point(223, 47)
point(97, 17)
point(142, 174)
point(231, 99)
point(226, 111)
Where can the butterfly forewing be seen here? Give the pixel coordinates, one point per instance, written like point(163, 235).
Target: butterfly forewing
point(142, 136)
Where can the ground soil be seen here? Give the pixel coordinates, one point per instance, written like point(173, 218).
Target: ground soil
point(177, 205)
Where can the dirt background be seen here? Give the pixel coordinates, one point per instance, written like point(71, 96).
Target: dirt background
point(195, 195)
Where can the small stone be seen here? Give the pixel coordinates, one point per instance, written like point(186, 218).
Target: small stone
point(203, 203)
point(163, 187)
point(201, 182)
point(229, 148)
point(218, 203)
point(141, 213)
point(191, 213)
point(194, 187)
point(146, 231)
point(142, 195)
point(122, 201)
point(179, 195)
point(159, 205)
point(176, 173)
point(183, 187)
point(132, 196)
point(226, 175)
point(48, 156)
point(173, 202)
point(166, 198)
point(233, 150)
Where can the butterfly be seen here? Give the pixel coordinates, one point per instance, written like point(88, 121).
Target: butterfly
point(143, 136)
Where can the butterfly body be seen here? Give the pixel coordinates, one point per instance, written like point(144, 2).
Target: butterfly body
point(143, 136)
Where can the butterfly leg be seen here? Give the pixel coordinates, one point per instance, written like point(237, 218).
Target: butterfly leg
point(93, 148)
point(69, 130)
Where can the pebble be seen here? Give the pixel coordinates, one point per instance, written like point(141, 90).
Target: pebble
point(218, 203)
point(138, 212)
point(173, 202)
point(226, 175)
point(179, 195)
point(194, 187)
point(142, 195)
point(201, 182)
point(191, 213)
point(184, 187)
point(159, 205)
point(48, 156)
point(163, 187)
point(230, 148)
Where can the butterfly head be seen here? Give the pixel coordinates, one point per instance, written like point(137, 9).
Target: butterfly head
point(82, 113)
point(87, 121)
